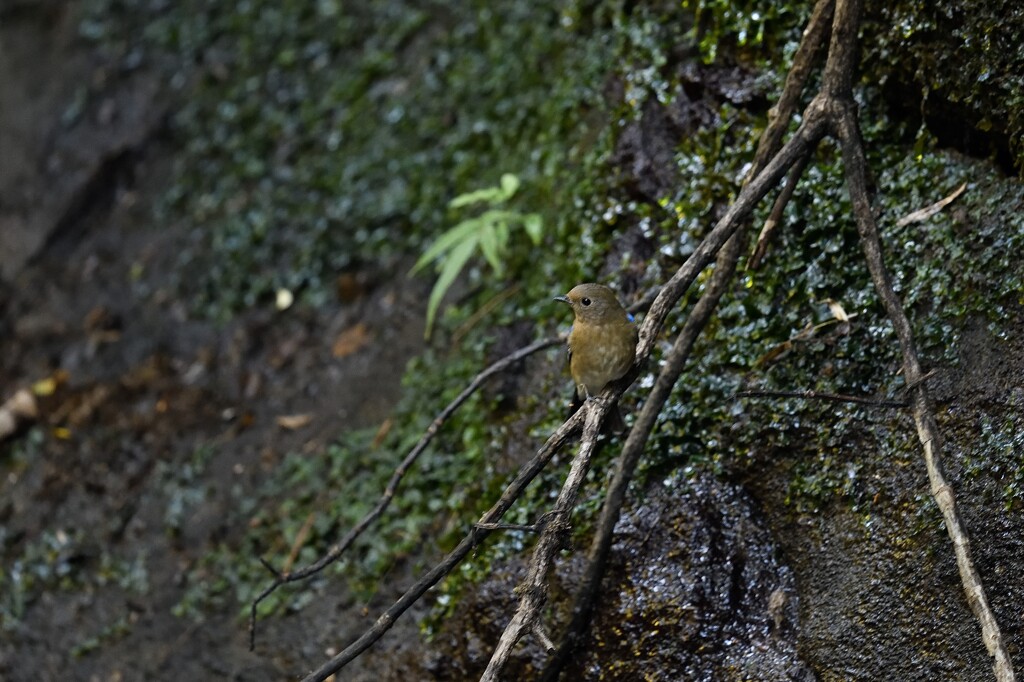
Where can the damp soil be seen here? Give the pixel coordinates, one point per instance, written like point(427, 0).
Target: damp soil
point(134, 385)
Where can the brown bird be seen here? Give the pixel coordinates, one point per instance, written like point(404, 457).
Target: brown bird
point(602, 343)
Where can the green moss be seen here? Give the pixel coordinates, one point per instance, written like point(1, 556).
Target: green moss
point(110, 633)
point(992, 453)
point(58, 561)
point(964, 58)
point(752, 30)
point(316, 137)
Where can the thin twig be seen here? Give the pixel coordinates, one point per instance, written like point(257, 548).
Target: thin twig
point(818, 395)
point(928, 211)
point(336, 550)
point(531, 528)
point(815, 37)
point(813, 40)
point(775, 217)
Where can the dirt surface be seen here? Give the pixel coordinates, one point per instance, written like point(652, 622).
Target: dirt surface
point(137, 386)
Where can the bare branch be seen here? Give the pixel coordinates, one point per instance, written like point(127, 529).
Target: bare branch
point(770, 225)
point(779, 116)
point(924, 418)
point(818, 395)
point(534, 589)
point(838, 85)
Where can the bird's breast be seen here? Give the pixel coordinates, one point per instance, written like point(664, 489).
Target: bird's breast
point(600, 354)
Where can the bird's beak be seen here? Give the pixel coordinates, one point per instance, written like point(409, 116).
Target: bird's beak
point(563, 299)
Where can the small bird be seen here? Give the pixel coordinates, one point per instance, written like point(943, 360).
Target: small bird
point(602, 343)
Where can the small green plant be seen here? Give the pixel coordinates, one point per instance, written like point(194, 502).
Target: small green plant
point(489, 231)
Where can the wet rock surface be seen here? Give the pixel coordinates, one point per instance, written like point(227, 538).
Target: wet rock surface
point(695, 590)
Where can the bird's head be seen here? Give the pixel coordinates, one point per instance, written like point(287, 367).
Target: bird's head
point(594, 303)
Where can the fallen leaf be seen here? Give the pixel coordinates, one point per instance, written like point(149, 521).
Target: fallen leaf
point(382, 433)
point(352, 340)
point(284, 299)
point(294, 421)
point(22, 404)
point(348, 287)
point(929, 211)
point(837, 310)
point(49, 385)
point(17, 410)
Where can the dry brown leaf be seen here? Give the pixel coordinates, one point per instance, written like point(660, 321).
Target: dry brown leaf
point(22, 404)
point(837, 310)
point(382, 433)
point(352, 340)
point(929, 211)
point(348, 287)
point(294, 421)
point(18, 409)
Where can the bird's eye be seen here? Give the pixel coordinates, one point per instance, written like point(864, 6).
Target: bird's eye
point(585, 301)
